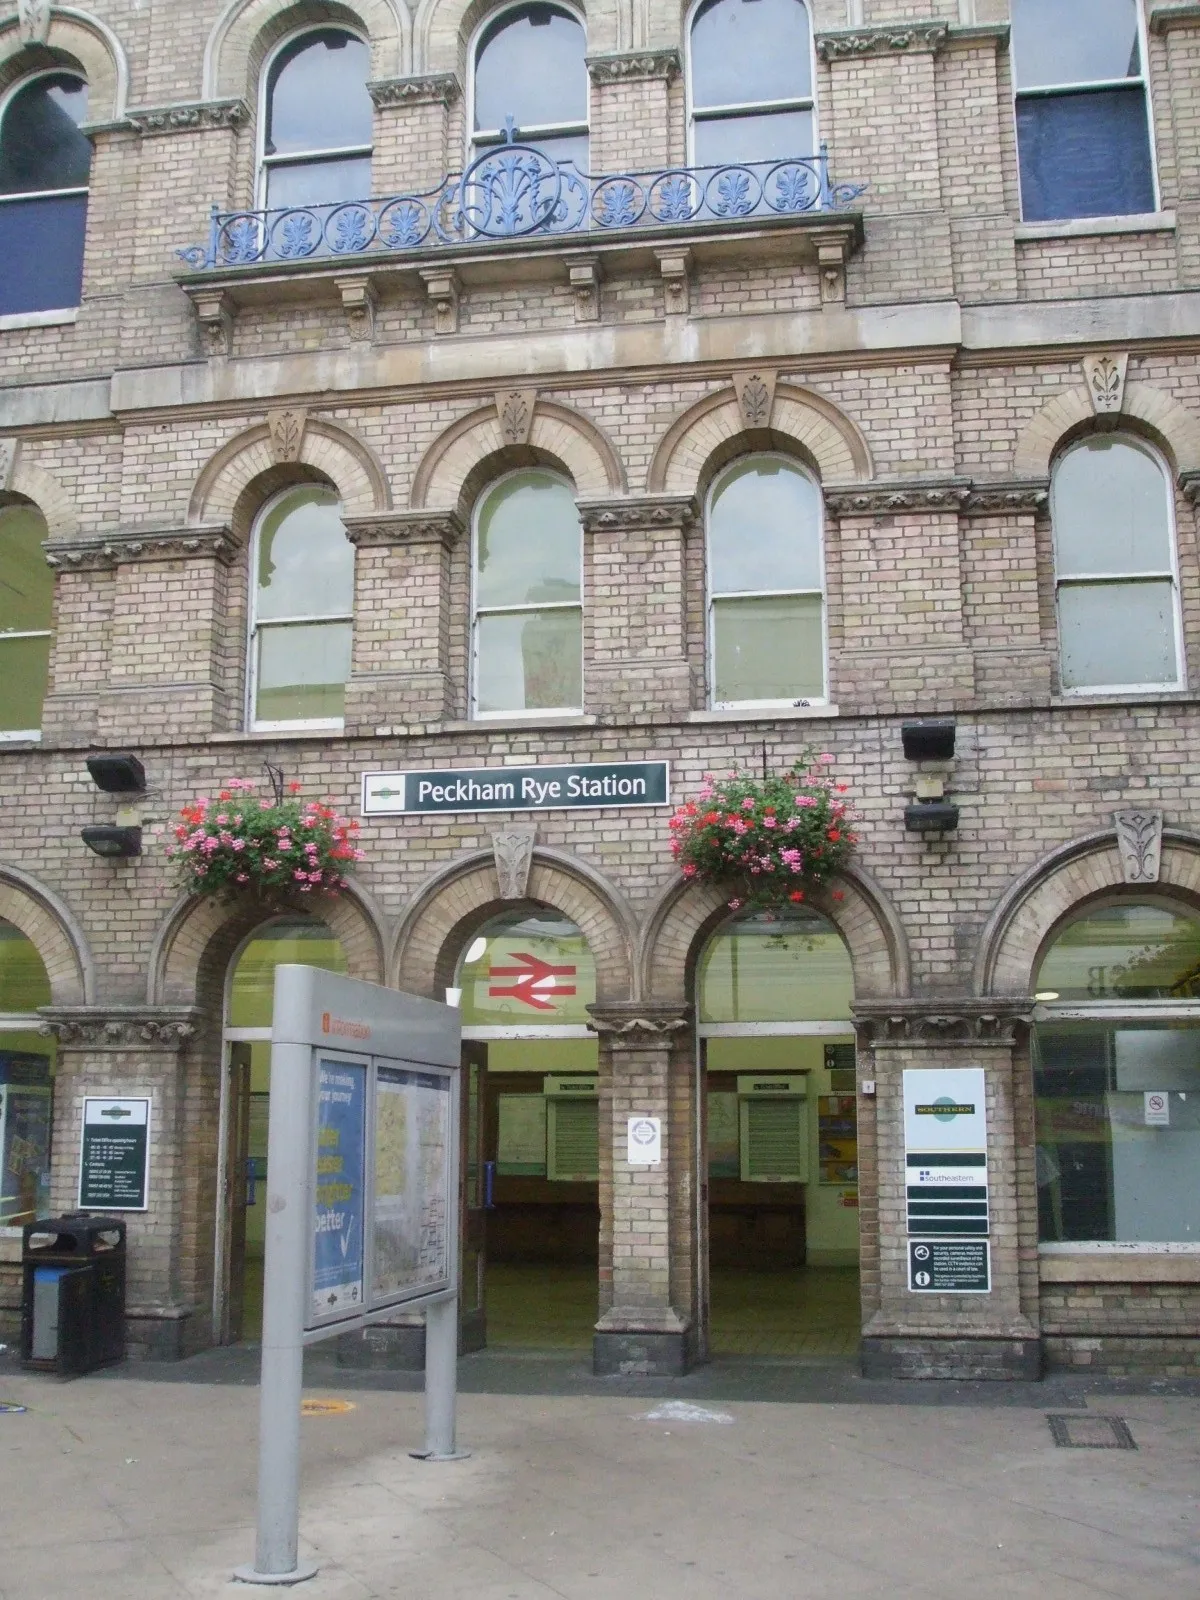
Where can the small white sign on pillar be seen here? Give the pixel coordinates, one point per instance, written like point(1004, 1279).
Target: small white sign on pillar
point(645, 1141)
point(1158, 1109)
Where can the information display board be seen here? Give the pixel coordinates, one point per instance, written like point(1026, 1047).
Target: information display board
point(949, 1266)
point(114, 1158)
point(412, 1223)
point(338, 1231)
point(946, 1180)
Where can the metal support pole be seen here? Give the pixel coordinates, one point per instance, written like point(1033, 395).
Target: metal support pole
point(441, 1382)
point(288, 1238)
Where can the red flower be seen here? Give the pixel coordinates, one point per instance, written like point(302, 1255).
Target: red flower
point(837, 895)
point(796, 894)
point(833, 835)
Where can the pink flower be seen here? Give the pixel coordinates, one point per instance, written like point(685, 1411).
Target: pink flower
point(239, 844)
point(264, 805)
point(314, 877)
point(300, 875)
point(826, 760)
point(805, 800)
point(222, 819)
point(270, 865)
point(768, 822)
point(735, 905)
point(241, 877)
point(748, 803)
point(689, 870)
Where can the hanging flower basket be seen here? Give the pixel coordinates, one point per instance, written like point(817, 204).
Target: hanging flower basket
point(240, 845)
point(766, 842)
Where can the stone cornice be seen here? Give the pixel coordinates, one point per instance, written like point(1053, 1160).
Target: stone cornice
point(966, 1022)
point(120, 1027)
point(404, 527)
point(189, 117)
point(644, 511)
point(1006, 495)
point(972, 33)
point(635, 1023)
point(142, 544)
point(1164, 19)
point(627, 66)
point(883, 498)
point(890, 39)
point(426, 89)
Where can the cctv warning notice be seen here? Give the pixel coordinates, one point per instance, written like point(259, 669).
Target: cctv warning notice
point(338, 1191)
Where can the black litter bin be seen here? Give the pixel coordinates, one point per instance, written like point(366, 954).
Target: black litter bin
point(73, 1300)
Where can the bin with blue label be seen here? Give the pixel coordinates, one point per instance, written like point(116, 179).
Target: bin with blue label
point(73, 1301)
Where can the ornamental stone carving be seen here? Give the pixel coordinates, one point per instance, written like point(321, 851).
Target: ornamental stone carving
point(286, 429)
point(404, 527)
point(1006, 496)
point(638, 1025)
point(142, 1028)
point(428, 88)
point(627, 66)
point(964, 1022)
point(513, 850)
point(1139, 841)
point(1105, 378)
point(33, 17)
point(515, 407)
point(854, 43)
point(755, 393)
point(359, 302)
point(884, 499)
point(648, 511)
point(131, 545)
point(197, 116)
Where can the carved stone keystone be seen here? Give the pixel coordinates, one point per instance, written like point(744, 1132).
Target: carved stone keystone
point(515, 408)
point(1139, 840)
point(34, 19)
point(287, 433)
point(513, 849)
point(755, 397)
point(1105, 378)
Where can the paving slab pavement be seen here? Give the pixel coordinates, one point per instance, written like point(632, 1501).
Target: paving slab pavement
point(144, 1490)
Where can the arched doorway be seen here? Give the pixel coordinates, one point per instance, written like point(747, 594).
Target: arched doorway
point(245, 1099)
point(526, 978)
point(27, 1062)
point(781, 1158)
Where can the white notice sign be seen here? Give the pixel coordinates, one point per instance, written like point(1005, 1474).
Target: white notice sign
point(645, 1141)
point(1157, 1108)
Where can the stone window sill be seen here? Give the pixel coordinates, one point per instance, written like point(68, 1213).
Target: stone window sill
point(1123, 697)
point(782, 713)
point(38, 319)
point(1119, 1263)
point(279, 736)
point(1091, 227)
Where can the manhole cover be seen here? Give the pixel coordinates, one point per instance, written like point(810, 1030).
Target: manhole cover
point(1091, 1432)
point(325, 1408)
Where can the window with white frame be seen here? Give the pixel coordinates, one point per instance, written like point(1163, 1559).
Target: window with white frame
point(530, 71)
point(26, 614)
point(1083, 116)
point(45, 166)
point(750, 81)
point(1115, 566)
point(766, 585)
point(302, 606)
point(527, 646)
point(27, 1063)
point(316, 121)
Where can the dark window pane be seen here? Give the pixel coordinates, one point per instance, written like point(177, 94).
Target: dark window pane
point(530, 67)
point(318, 183)
point(774, 137)
point(41, 253)
point(41, 146)
point(1062, 41)
point(317, 94)
point(1085, 155)
point(745, 51)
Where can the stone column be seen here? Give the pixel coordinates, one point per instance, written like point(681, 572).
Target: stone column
point(635, 621)
point(137, 1050)
point(647, 1213)
point(400, 672)
point(922, 1335)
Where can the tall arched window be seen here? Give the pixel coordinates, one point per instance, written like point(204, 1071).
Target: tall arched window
point(26, 1081)
point(530, 69)
point(751, 81)
point(302, 609)
point(317, 121)
point(26, 612)
point(45, 163)
point(527, 650)
point(1117, 1076)
point(766, 585)
point(1114, 558)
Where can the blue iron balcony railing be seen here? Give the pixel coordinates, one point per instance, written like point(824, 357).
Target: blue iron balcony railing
point(516, 192)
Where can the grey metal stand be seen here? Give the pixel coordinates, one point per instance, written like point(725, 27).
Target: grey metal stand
point(441, 1383)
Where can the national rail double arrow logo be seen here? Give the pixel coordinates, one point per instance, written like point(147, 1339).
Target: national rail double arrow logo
point(533, 981)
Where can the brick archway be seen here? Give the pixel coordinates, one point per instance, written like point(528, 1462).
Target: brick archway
point(50, 927)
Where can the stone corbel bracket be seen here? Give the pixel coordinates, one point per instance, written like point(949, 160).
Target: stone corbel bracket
point(359, 302)
point(648, 511)
point(852, 44)
point(583, 274)
point(630, 66)
point(833, 247)
point(964, 1022)
point(215, 313)
point(443, 288)
point(125, 546)
point(139, 1028)
point(676, 269)
point(404, 527)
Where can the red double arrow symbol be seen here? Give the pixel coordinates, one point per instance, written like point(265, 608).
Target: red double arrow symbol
point(533, 974)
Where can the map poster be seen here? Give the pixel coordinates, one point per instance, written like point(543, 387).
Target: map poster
point(411, 1239)
point(337, 1283)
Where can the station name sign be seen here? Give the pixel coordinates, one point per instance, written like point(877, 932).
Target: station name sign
point(590, 786)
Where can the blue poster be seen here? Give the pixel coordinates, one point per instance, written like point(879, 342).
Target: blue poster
point(339, 1196)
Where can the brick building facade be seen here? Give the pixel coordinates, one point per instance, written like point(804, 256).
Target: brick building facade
point(931, 352)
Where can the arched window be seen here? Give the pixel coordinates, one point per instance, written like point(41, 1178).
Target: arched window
point(527, 968)
point(26, 1081)
point(45, 162)
point(751, 81)
point(1083, 124)
point(302, 610)
point(530, 69)
point(26, 611)
point(766, 585)
point(1114, 559)
point(317, 121)
point(1117, 1076)
point(527, 650)
point(786, 967)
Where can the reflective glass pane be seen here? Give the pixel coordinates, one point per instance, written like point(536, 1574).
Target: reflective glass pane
point(764, 529)
point(775, 136)
point(252, 986)
point(529, 544)
point(530, 67)
point(24, 984)
point(751, 50)
point(1111, 510)
point(317, 94)
point(1085, 155)
point(302, 672)
point(768, 649)
point(1117, 635)
point(1061, 41)
point(522, 968)
point(41, 146)
point(1118, 1131)
point(305, 561)
point(26, 1098)
point(318, 183)
point(791, 967)
point(26, 580)
point(1128, 951)
point(24, 674)
point(41, 253)
point(529, 661)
